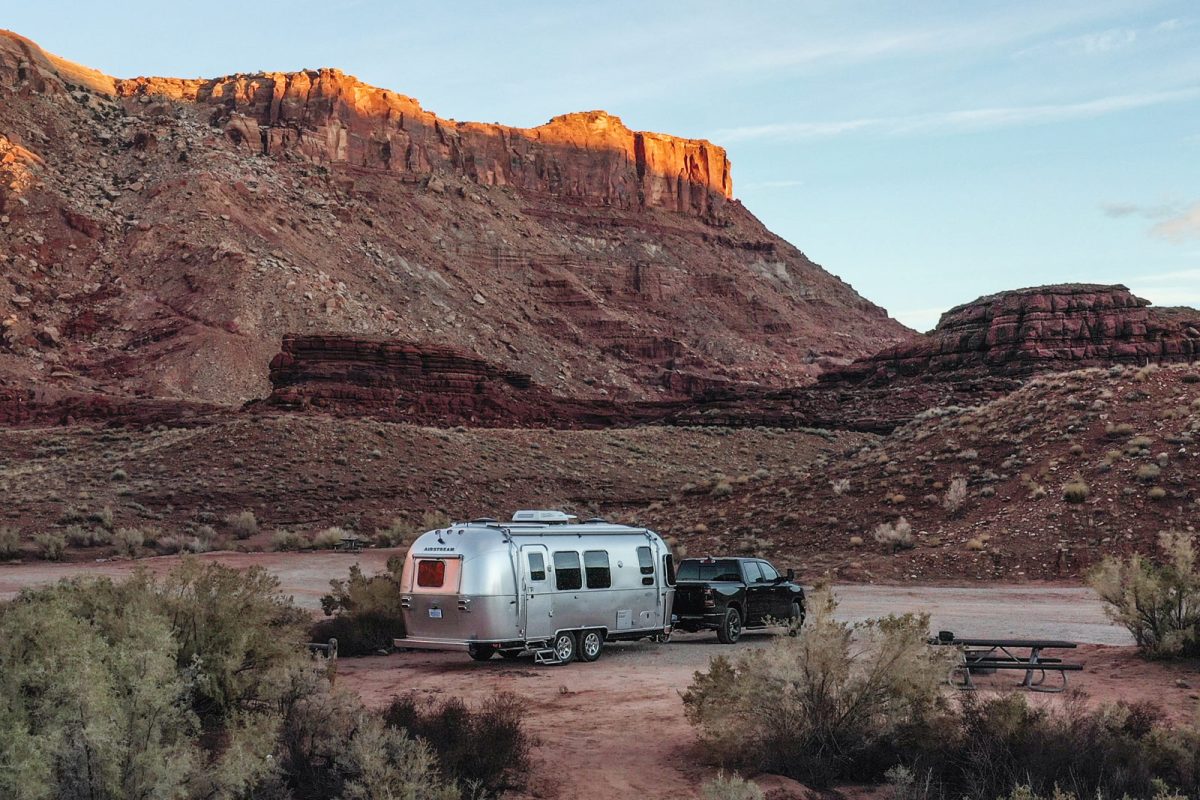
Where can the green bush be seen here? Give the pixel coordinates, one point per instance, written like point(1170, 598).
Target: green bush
point(243, 524)
point(129, 542)
point(10, 543)
point(486, 748)
point(364, 613)
point(1076, 491)
point(821, 706)
point(194, 688)
point(329, 539)
point(1158, 602)
point(288, 540)
point(50, 546)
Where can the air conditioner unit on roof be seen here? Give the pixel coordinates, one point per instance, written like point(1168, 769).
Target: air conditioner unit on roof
point(536, 515)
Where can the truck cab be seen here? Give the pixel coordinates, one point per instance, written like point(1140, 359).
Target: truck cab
point(729, 595)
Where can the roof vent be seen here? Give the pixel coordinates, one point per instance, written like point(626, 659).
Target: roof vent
point(483, 521)
point(596, 521)
point(548, 517)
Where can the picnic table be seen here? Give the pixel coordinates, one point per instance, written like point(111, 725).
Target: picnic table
point(351, 544)
point(985, 656)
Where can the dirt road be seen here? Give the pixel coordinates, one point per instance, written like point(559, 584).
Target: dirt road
point(1029, 610)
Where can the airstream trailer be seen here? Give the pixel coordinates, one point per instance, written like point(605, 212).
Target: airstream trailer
point(541, 583)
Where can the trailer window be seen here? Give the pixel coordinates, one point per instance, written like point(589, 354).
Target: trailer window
point(595, 565)
point(567, 574)
point(669, 569)
point(537, 567)
point(646, 565)
point(431, 574)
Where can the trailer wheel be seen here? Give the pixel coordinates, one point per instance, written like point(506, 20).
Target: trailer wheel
point(731, 627)
point(590, 645)
point(565, 647)
point(480, 653)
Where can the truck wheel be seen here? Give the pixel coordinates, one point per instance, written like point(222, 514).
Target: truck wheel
point(797, 619)
point(480, 653)
point(590, 645)
point(564, 647)
point(731, 627)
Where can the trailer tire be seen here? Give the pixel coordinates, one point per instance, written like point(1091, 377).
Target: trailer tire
point(565, 646)
point(591, 643)
point(478, 653)
point(731, 627)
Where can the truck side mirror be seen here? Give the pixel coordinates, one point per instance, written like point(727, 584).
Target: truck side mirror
point(791, 575)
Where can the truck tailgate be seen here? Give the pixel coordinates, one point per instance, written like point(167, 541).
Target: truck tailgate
point(689, 598)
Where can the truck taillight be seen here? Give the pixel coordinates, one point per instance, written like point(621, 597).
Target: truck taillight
point(709, 600)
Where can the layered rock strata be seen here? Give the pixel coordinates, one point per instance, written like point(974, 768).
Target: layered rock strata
point(1036, 329)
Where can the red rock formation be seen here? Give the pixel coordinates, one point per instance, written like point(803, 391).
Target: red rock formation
point(1041, 328)
point(328, 116)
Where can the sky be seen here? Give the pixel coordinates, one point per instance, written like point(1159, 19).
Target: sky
point(927, 153)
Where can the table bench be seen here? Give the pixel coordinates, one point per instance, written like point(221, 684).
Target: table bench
point(989, 655)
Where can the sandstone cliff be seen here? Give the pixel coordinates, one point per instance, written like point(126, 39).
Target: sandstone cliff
point(163, 235)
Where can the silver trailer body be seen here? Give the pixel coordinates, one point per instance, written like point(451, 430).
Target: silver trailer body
point(514, 586)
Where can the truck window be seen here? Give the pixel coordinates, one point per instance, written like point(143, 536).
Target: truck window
point(753, 573)
point(768, 572)
point(646, 565)
point(669, 569)
point(595, 567)
point(721, 569)
point(537, 567)
point(431, 573)
point(567, 574)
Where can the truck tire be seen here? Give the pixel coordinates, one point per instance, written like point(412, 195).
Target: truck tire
point(731, 627)
point(480, 653)
point(590, 644)
point(797, 619)
point(565, 647)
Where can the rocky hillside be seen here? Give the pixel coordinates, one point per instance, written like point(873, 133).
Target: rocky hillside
point(161, 236)
point(1039, 483)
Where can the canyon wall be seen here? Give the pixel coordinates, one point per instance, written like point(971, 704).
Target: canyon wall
point(328, 116)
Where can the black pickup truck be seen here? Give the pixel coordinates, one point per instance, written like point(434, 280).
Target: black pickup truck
point(730, 594)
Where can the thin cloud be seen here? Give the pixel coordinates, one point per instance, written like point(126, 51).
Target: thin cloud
point(1088, 44)
point(1181, 227)
point(964, 121)
point(1119, 210)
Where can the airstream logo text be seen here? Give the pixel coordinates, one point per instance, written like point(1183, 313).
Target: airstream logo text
point(439, 549)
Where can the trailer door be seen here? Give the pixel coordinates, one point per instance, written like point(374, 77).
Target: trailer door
point(538, 594)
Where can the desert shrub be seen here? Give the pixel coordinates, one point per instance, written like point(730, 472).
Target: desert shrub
point(1119, 430)
point(956, 495)
point(721, 488)
point(170, 544)
point(856, 541)
point(102, 517)
point(79, 536)
point(401, 532)
point(129, 542)
point(487, 747)
point(194, 688)
point(364, 613)
point(1191, 377)
point(329, 538)
point(288, 540)
point(1158, 602)
point(331, 747)
point(1076, 491)
point(1157, 493)
point(118, 475)
point(895, 535)
point(976, 544)
point(243, 524)
point(1148, 473)
point(10, 543)
point(840, 486)
point(50, 546)
point(830, 703)
point(730, 787)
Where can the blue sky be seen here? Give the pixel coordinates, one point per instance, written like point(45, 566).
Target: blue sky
point(927, 153)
